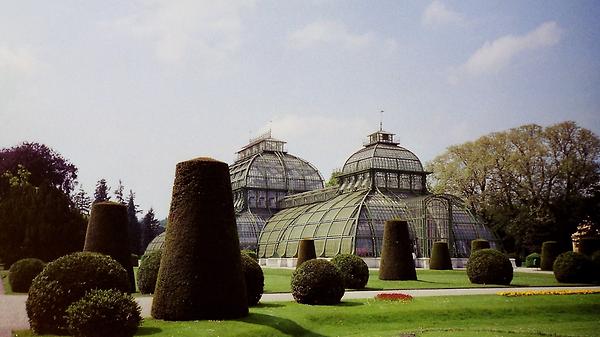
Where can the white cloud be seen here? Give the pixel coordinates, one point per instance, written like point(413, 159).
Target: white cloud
point(19, 60)
point(495, 55)
point(328, 32)
point(438, 14)
point(179, 29)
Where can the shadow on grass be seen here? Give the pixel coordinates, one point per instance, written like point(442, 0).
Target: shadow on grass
point(284, 325)
point(147, 331)
point(268, 305)
point(349, 304)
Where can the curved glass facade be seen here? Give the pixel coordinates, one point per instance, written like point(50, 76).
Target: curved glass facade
point(383, 181)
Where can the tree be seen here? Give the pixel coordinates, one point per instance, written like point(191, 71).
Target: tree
point(133, 224)
point(82, 201)
point(101, 192)
point(150, 228)
point(531, 184)
point(333, 179)
point(119, 193)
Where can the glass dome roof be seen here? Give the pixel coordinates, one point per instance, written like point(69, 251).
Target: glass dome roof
point(382, 153)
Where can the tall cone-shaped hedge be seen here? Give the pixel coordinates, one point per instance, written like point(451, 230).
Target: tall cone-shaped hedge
point(478, 244)
point(550, 251)
point(306, 251)
point(107, 234)
point(440, 257)
point(200, 275)
point(396, 254)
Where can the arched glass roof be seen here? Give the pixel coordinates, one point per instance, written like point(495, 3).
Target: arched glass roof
point(384, 157)
point(157, 243)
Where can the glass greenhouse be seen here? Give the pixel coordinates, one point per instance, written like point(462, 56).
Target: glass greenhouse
point(381, 181)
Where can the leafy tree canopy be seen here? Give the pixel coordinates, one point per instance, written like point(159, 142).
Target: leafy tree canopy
point(530, 183)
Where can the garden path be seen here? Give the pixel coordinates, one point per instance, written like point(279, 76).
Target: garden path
point(13, 315)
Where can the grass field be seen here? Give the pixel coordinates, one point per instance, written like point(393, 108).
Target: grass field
point(277, 280)
point(464, 316)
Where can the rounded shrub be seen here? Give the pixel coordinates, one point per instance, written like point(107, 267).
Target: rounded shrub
point(104, 312)
point(255, 279)
point(317, 282)
point(22, 272)
point(550, 251)
point(306, 251)
point(148, 271)
point(533, 260)
point(571, 267)
point(250, 253)
point(66, 280)
point(478, 244)
point(440, 257)
point(489, 266)
point(355, 272)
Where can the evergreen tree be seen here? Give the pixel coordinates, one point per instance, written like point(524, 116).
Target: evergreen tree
point(150, 228)
point(134, 225)
point(82, 201)
point(101, 193)
point(119, 193)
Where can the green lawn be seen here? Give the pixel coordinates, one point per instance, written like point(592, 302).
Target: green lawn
point(278, 280)
point(455, 316)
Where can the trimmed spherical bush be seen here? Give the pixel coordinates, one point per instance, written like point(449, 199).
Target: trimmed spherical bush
point(489, 266)
point(440, 257)
point(317, 282)
point(571, 267)
point(148, 272)
point(250, 253)
point(396, 254)
point(355, 272)
point(22, 272)
point(200, 275)
point(587, 246)
point(107, 234)
point(306, 251)
point(478, 244)
point(254, 278)
point(102, 313)
point(533, 260)
point(550, 251)
point(66, 280)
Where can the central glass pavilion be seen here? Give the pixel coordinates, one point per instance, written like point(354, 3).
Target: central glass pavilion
point(379, 182)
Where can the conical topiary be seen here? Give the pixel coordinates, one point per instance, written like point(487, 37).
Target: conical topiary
point(306, 251)
point(440, 257)
point(107, 234)
point(549, 253)
point(200, 275)
point(478, 244)
point(396, 254)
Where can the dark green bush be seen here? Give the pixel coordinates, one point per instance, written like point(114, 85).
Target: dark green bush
point(317, 282)
point(355, 272)
point(571, 267)
point(250, 253)
point(478, 244)
point(489, 266)
point(396, 253)
point(550, 251)
point(135, 260)
point(533, 260)
point(66, 280)
point(255, 279)
point(102, 313)
point(440, 257)
point(148, 271)
point(587, 246)
point(306, 251)
point(22, 272)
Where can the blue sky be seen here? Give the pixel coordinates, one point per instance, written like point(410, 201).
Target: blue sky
point(125, 90)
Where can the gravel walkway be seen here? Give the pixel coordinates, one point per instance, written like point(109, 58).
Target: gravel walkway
point(14, 317)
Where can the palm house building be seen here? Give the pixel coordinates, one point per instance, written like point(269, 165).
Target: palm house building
point(379, 182)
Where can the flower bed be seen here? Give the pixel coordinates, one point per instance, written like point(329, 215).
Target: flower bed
point(394, 297)
point(547, 292)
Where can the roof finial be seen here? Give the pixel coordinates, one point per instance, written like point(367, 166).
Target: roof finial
point(270, 128)
point(381, 120)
